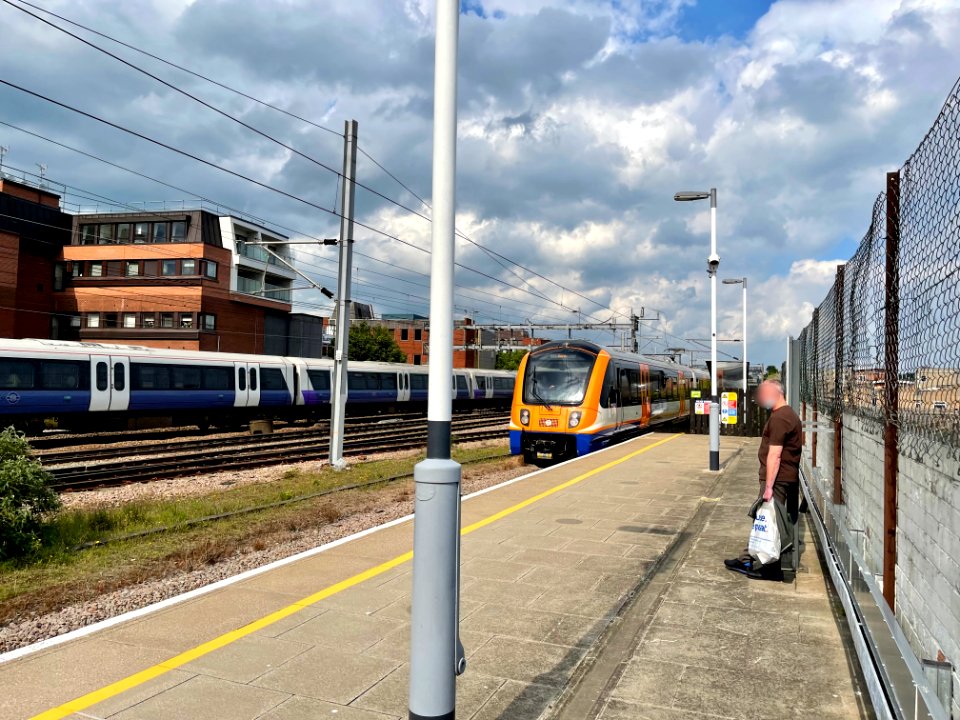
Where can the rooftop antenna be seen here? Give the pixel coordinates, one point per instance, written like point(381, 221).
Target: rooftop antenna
point(43, 172)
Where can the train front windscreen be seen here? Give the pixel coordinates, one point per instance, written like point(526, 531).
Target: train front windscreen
point(557, 377)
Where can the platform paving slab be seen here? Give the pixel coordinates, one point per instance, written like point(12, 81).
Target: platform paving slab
point(539, 586)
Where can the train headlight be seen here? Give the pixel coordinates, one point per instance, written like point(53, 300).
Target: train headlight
point(574, 419)
point(524, 417)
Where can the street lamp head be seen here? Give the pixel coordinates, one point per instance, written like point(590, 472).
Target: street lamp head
point(689, 195)
point(733, 281)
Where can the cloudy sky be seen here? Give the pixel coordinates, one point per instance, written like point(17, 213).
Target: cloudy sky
point(578, 120)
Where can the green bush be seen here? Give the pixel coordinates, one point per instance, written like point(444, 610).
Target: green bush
point(25, 496)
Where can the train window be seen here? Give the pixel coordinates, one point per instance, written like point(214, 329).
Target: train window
point(102, 374)
point(185, 377)
point(218, 378)
point(272, 379)
point(119, 377)
point(253, 378)
point(636, 391)
point(62, 375)
point(481, 382)
point(16, 374)
point(388, 381)
point(144, 376)
point(362, 381)
point(320, 379)
point(241, 379)
point(418, 382)
point(502, 383)
point(657, 384)
point(461, 382)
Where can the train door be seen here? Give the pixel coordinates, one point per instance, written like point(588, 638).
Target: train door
point(403, 386)
point(99, 383)
point(240, 396)
point(623, 393)
point(253, 385)
point(645, 395)
point(119, 382)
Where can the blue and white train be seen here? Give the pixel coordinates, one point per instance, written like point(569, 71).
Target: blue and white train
point(91, 385)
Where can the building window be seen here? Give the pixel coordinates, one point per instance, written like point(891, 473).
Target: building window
point(149, 320)
point(166, 320)
point(405, 334)
point(133, 268)
point(93, 320)
point(113, 268)
point(77, 268)
point(129, 320)
point(96, 269)
point(110, 320)
point(188, 266)
point(186, 321)
point(208, 322)
point(141, 232)
point(416, 359)
point(106, 235)
point(123, 233)
point(160, 233)
point(418, 334)
point(178, 231)
point(150, 268)
point(88, 234)
point(210, 269)
point(168, 267)
point(59, 273)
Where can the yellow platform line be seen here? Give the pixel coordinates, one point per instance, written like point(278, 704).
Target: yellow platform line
point(132, 681)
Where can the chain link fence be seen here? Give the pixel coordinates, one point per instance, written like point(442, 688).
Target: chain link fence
point(888, 332)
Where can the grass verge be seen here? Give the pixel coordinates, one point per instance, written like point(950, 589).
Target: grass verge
point(59, 574)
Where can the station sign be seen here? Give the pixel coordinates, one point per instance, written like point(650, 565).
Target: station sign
point(728, 408)
point(694, 394)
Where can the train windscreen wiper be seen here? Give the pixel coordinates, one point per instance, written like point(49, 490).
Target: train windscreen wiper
point(536, 393)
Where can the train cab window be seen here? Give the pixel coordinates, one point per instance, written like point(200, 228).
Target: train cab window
point(557, 377)
point(241, 379)
point(16, 374)
point(119, 376)
point(253, 378)
point(388, 381)
point(102, 373)
point(217, 378)
point(272, 379)
point(320, 379)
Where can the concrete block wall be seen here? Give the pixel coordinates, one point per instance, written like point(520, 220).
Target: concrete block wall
point(928, 533)
point(928, 559)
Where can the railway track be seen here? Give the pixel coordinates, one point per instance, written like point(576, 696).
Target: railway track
point(45, 444)
point(79, 471)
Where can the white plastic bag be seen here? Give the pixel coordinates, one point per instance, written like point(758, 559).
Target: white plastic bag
point(765, 536)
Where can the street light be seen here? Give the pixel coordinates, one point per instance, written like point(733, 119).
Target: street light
point(746, 366)
point(713, 264)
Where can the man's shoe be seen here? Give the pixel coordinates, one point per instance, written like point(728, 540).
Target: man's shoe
point(772, 572)
point(737, 563)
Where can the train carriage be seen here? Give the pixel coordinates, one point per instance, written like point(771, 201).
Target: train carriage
point(574, 397)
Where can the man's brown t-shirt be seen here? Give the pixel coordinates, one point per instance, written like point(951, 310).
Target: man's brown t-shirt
point(783, 428)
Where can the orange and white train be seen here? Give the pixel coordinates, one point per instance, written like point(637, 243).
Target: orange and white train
point(574, 397)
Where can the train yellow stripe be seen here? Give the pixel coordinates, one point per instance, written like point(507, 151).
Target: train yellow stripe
point(132, 681)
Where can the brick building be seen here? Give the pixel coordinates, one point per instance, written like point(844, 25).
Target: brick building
point(33, 231)
point(188, 280)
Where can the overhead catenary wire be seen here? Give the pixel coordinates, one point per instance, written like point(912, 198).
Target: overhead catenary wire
point(498, 257)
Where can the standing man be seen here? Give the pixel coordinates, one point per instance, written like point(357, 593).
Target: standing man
point(779, 470)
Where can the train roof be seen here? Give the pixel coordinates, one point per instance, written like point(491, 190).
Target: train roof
point(633, 357)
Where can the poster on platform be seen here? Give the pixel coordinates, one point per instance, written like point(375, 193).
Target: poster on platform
point(728, 408)
point(698, 407)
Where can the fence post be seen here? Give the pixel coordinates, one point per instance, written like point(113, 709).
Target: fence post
point(891, 388)
point(816, 361)
point(838, 391)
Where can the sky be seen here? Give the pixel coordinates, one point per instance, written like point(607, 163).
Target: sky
point(578, 120)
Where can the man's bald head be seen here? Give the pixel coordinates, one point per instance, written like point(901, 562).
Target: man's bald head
point(770, 394)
